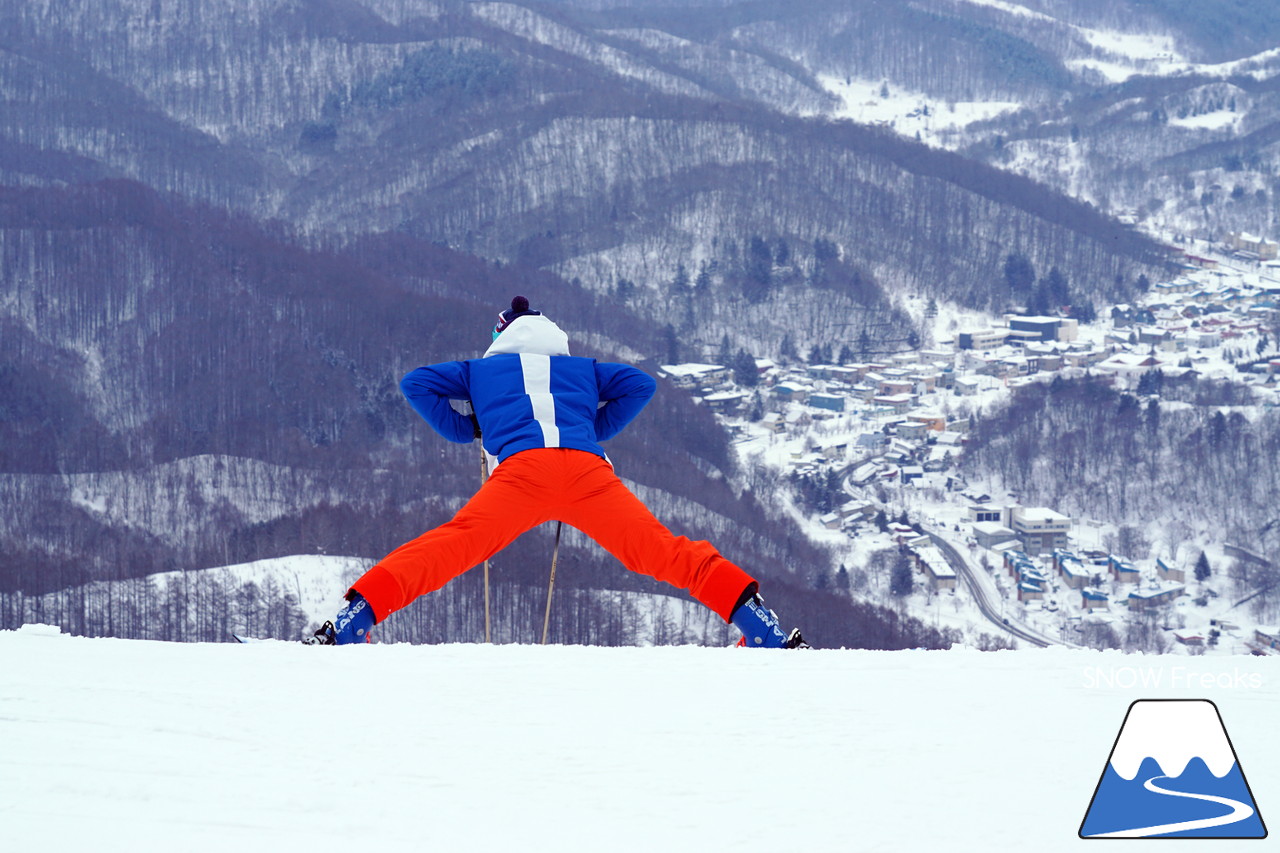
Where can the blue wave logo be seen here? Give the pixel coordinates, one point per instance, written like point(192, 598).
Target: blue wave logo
point(1173, 773)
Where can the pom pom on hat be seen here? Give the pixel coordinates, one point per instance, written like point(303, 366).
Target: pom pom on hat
point(519, 308)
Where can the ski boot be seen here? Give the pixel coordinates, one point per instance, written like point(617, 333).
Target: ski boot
point(351, 625)
point(760, 628)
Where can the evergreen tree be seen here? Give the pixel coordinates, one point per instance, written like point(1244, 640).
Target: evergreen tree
point(842, 579)
point(825, 251)
point(1019, 275)
point(1151, 382)
point(846, 354)
point(901, 581)
point(1218, 428)
point(1153, 418)
point(670, 344)
point(1202, 568)
point(702, 283)
point(1084, 312)
point(725, 357)
point(624, 290)
point(787, 350)
point(759, 271)
point(820, 354)
point(744, 369)
point(1039, 303)
point(680, 284)
point(782, 256)
point(1058, 289)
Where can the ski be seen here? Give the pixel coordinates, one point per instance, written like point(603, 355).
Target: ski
point(794, 641)
point(241, 638)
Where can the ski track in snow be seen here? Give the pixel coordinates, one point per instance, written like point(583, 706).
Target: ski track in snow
point(129, 745)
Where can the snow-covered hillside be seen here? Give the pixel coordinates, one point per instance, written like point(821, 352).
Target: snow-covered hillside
point(129, 745)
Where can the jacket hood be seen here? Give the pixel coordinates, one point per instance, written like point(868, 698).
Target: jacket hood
point(532, 334)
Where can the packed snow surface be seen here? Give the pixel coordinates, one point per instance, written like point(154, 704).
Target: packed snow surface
point(130, 745)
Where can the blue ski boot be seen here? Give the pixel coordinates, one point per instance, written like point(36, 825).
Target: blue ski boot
point(351, 625)
point(760, 628)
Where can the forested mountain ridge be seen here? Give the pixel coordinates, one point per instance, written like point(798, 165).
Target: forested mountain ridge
point(604, 152)
point(1185, 459)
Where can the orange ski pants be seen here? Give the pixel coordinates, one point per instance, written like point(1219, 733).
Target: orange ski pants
point(553, 484)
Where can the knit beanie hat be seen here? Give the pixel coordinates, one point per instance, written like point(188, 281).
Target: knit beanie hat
point(519, 308)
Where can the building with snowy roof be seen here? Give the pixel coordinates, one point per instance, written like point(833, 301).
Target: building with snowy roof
point(934, 566)
point(1040, 529)
point(988, 513)
point(858, 509)
point(694, 375)
point(1169, 572)
point(892, 386)
point(933, 421)
point(982, 339)
point(864, 474)
point(903, 534)
point(990, 534)
point(939, 459)
point(1028, 591)
point(1155, 596)
point(912, 430)
point(791, 392)
point(1243, 241)
point(1094, 599)
point(1045, 328)
point(1132, 364)
point(1015, 559)
point(832, 447)
point(1075, 573)
point(1122, 570)
point(1188, 637)
point(898, 404)
point(725, 402)
point(831, 402)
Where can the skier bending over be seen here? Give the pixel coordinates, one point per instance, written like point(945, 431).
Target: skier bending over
point(542, 413)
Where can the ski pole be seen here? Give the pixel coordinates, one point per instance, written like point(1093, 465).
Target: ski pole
point(484, 478)
point(551, 585)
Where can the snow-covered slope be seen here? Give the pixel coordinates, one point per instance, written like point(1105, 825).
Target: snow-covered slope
point(125, 745)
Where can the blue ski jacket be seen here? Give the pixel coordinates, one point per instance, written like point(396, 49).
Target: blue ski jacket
point(527, 391)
